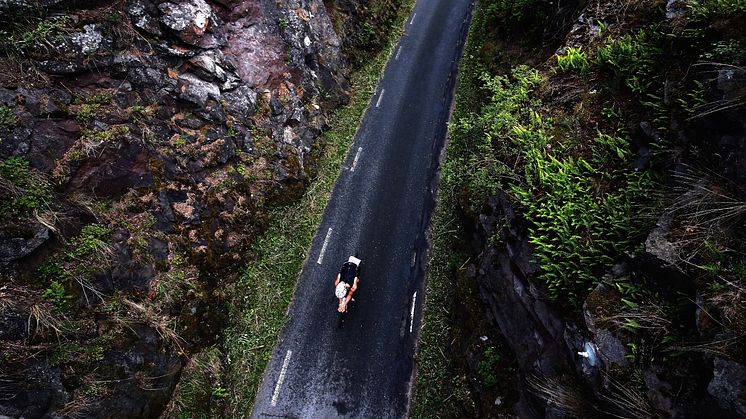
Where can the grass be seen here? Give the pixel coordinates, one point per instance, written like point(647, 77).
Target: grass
point(263, 293)
point(8, 118)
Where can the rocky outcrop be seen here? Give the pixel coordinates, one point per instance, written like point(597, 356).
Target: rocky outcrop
point(141, 144)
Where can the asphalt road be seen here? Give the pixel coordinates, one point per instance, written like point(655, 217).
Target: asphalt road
point(379, 211)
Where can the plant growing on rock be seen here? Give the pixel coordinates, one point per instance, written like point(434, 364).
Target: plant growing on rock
point(23, 189)
point(7, 117)
point(574, 59)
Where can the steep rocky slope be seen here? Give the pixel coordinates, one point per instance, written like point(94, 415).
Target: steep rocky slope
point(604, 210)
point(141, 145)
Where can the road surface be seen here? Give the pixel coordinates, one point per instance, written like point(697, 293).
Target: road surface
point(379, 210)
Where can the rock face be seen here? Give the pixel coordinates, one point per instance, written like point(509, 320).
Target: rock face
point(140, 147)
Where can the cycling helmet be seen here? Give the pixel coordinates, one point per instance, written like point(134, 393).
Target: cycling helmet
point(341, 290)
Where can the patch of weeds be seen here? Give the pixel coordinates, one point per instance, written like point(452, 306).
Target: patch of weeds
point(730, 51)
point(574, 59)
point(40, 33)
point(56, 294)
point(8, 118)
point(712, 9)
point(633, 59)
point(487, 367)
point(107, 136)
point(23, 190)
point(283, 23)
point(92, 241)
point(262, 295)
point(200, 392)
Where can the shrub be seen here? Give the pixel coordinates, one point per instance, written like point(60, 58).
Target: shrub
point(574, 59)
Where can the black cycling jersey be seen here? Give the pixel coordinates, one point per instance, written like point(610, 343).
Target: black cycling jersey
point(347, 273)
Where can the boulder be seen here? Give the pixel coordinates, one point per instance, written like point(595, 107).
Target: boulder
point(14, 248)
point(89, 41)
point(144, 15)
point(190, 20)
point(196, 90)
point(728, 386)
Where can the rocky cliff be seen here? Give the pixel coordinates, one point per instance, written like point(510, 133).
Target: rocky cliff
point(141, 145)
point(604, 217)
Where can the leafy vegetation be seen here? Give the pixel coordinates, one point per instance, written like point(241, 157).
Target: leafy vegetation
point(574, 59)
point(23, 189)
point(7, 117)
point(33, 33)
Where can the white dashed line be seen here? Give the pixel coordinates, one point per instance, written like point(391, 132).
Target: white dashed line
point(380, 97)
point(411, 313)
point(397, 54)
point(414, 259)
point(357, 157)
point(410, 22)
point(283, 371)
point(323, 247)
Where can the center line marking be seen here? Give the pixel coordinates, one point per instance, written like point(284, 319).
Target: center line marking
point(357, 156)
point(323, 247)
point(380, 97)
point(397, 54)
point(411, 313)
point(410, 22)
point(283, 371)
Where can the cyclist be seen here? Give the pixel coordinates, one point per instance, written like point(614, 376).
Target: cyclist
point(345, 285)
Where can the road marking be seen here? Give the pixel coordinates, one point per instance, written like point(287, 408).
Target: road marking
point(411, 313)
point(283, 371)
point(323, 247)
point(397, 54)
point(380, 97)
point(414, 259)
point(410, 22)
point(357, 156)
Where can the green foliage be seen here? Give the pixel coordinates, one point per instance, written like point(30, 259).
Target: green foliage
point(105, 136)
point(282, 23)
point(633, 62)
point(515, 10)
point(633, 59)
point(219, 392)
point(488, 366)
point(38, 33)
point(711, 9)
point(472, 165)
point(730, 51)
point(576, 229)
point(56, 293)
point(574, 59)
point(91, 241)
point(7, 117)
point(24, 189)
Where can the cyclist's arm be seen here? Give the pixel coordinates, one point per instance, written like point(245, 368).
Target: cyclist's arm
point(337, 281)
